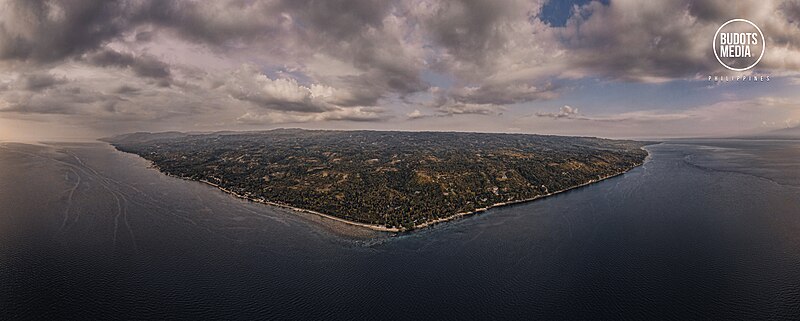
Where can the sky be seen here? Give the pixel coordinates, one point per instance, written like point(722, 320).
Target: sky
point(83, 69)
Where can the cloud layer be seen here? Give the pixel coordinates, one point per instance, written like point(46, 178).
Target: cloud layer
point(129, 64)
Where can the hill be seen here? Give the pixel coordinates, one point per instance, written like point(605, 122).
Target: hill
point(394, 180)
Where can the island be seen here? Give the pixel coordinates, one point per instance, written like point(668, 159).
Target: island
point(385, 180)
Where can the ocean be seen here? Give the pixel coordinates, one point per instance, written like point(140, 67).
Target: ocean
point(705, 229)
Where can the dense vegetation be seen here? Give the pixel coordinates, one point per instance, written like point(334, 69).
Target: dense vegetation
point(396, 179)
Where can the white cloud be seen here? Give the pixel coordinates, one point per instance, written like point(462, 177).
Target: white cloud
point(564, 112)
point(169, 63)
point(416, 114)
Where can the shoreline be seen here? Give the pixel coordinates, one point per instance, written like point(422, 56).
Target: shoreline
point(374, 227)
point(383, 228)
point(509, 203)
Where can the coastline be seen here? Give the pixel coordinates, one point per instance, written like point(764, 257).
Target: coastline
point(484, 209)
point(383, 228)
point(374, 227)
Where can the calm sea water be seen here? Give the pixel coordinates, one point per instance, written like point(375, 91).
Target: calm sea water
point(703, 230)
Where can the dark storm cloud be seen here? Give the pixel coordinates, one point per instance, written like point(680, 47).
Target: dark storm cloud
point(219, 23)
point(791, 10)
point(106, 58)
point(49, 31)
point(143, 65)
point(352, 32)
point(469, 29)
point(495, 52)
point(368, 88)
point(339, 19)
point(46, 31)
point(316, 61)
point(357, 32)
point(666, 40)
point(504, 94)
point(664, 43)
point(126, 90)
point(144, 36)
point(40, 81)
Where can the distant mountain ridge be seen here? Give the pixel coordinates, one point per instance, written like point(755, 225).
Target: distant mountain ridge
point(139, 137)
point(783, 133)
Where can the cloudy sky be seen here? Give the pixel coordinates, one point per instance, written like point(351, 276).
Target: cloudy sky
point(86, 68)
